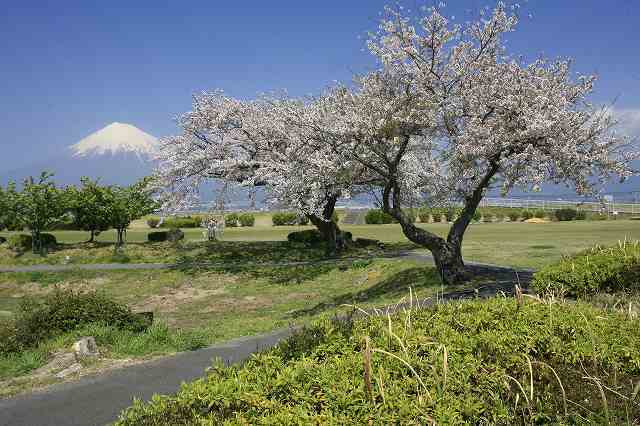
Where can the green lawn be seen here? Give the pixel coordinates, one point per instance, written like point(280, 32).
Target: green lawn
point(514, 244)
point(243, 299)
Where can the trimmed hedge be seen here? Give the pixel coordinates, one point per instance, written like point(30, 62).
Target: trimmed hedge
point(377, 217)
point(62, 311)
point(247, 219)
point(457, 363)
point(231, 220)
point(182, 222)
point(284, 218)
point(565, 214)
point(24, 242)
point(157, 237)
point(172, 235)
point(598, 269)
point(308, 236)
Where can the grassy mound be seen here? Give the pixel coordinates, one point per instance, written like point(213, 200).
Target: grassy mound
point(599, 269)
point(495, 362)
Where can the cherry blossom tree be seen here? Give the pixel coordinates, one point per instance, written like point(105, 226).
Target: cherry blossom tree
point(257, 143)
point(450, 115)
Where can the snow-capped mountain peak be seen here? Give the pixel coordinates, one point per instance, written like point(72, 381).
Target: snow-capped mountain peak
point(116, 138)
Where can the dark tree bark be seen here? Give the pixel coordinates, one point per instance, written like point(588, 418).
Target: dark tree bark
point(329, 230)
point(447, 254)
point(121, 232)
point(92, 237)
point(36, 242)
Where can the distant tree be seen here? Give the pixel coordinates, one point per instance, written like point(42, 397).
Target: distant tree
point(90, 207)
point(38, 206)
point(8, 208)
point(126, 204)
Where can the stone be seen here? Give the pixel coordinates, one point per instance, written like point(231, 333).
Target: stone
point(72, 369)
point(60, 361)
point(85, 347)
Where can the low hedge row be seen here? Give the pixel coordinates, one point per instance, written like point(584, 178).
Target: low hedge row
point(234, 220)
point(24, 242)
point(599, 269)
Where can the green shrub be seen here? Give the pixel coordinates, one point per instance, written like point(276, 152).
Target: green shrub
point(303, 219)
point(456, 363)
point(182, 222)
point(284, 218)
point(157, 237)
point(247, 219)
point(62, 311)
point(424, 215)
point(20, 242)
point(581, 215)
point(231, 220)
point(598, 216)
point(565, 214)
point(2, 240)
point(153, 222)
point(527, 214)
point(377, 217)
point(514, 215)
point(437, 215)
point(595, 270)
point(308, 236)
point(476, 216)
point(539, 213)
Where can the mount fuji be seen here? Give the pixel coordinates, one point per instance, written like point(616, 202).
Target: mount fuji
point(116, 154)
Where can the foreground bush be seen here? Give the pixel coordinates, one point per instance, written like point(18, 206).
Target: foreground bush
point(479, 362)
point(63, 311)
point(599, 269)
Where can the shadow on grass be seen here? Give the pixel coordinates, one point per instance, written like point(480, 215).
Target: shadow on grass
point(394, 287)
point(273, 274)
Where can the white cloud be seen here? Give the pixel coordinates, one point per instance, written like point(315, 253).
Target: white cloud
point(629, 121)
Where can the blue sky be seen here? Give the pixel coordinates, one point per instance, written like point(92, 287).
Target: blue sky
point(70, 67)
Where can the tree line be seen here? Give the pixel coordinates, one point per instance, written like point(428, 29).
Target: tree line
point(39, 205)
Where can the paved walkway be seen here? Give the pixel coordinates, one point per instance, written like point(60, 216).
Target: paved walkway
point(98, 400)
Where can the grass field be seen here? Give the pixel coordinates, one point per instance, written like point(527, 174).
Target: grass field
point(513, 244)
point(243, 299)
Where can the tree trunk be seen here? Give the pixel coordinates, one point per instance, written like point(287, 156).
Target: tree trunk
point(91, 239)
point(120, 240)
point(328, 229)
point(36, 244)
point(448, 260)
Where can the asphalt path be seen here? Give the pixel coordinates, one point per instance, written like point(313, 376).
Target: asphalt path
point(99, 400)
